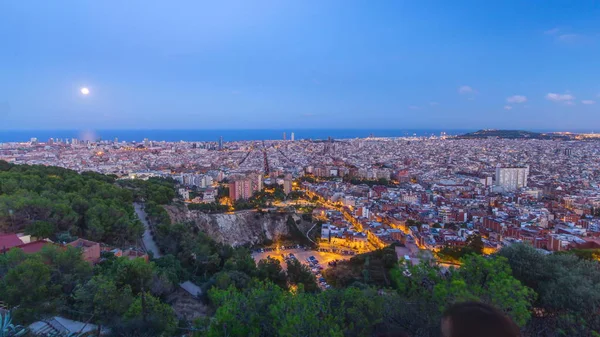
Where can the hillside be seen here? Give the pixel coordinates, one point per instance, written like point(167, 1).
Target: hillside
point(507, 134)
point(239, 228)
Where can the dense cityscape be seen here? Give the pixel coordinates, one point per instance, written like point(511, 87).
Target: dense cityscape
point(299, 169)
point(433, 200)
point(539, 191)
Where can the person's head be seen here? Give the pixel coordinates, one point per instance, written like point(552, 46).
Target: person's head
point(475, 319)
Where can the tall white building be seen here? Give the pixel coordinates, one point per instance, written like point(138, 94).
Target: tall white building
point(292, 137)
point(512, 178)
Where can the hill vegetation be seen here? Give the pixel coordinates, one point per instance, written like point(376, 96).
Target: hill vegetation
point(61, 204)
point(509, 134)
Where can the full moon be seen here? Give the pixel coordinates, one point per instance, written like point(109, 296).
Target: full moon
point(85, 91)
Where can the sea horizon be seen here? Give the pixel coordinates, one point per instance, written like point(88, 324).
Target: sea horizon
point(203, 135)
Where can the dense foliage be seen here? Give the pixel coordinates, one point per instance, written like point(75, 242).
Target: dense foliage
point(59, 203)
point(473, 245)
point(568, 289)
point(267, 310)
point(371, 269)
point(58, 281)
point(160, 191)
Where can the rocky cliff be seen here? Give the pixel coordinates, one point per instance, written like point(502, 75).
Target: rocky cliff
point(243, 227)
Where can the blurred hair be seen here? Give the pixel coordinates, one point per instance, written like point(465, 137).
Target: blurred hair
point(476, 319)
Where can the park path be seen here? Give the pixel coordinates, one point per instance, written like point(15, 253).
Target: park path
point(147, 240)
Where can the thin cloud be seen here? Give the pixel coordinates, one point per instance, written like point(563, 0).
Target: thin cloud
point(588, 102)
point(414, 107)
point(516, 99)
point(434, 103)
point(552, 31)
point(308, 114)
point(567, 37)
point(507, 107)
point(465, 89)
point(565, 98)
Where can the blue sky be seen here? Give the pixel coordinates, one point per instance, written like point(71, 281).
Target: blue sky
point(300, 64)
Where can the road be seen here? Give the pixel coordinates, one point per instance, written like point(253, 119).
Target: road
point(307, 236)
point(147, 239)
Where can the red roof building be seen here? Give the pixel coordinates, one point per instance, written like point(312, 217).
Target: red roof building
point(8, 241)
point(34, 246)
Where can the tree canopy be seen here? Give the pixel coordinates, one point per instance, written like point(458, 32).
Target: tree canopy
point(45, 201)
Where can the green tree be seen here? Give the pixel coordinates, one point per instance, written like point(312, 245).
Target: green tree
point(41, 229)
point(27, 287)
point(475, 244)
point(299, 273)
point(244, 314)
point(101, 297)
point(489, 280)
point(68, 269)
point(136, 273)
point(270, 269)
point(148, 315)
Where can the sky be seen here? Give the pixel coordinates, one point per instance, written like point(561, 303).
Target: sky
point(266, 64)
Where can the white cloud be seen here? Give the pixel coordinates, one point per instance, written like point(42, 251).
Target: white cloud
point(588, 102)
point(516, 99)
point(507, 107)
point(465, 89)
point(552, 31)
point(560, 97)
point(414, 107)
point(567, 37)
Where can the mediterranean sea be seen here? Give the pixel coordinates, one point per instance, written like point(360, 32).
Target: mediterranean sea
point(214, 135)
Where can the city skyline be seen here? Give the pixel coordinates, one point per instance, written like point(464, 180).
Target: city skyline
point(431, 64)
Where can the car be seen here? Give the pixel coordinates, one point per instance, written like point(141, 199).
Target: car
point(262, 250)
point(292, 255)
point(322, 279)
point(311, 257)
point(315, 261)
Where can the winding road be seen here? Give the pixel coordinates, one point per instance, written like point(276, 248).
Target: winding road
point(147, 240)
point(308, 231)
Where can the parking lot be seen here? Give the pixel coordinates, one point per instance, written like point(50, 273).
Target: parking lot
point(315, 260)
point(302, 255)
